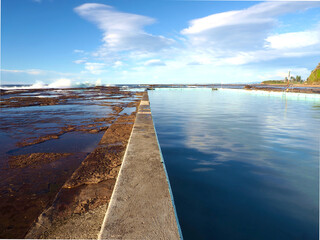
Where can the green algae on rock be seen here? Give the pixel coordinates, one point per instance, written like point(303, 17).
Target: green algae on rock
point(314, 77)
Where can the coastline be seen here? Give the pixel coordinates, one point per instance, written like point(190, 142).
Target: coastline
point(57, 133)
point(82, 200)
point(284, 88)
point(122, 194)
point(88, 190)
point(295, 85)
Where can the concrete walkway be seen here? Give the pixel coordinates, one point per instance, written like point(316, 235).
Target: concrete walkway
point(141, 205)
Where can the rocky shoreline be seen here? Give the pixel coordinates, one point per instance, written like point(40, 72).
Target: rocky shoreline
point(45, 193)
point(284, 88)
point(89, 188)
point(60, 185)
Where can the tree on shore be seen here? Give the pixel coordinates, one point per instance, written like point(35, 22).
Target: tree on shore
point(298, 78)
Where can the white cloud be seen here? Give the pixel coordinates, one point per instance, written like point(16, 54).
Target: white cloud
point(95, 68)
point(154, 62)
point(79, 61)
point(293, 40)
point(118, 64)
point(34, 72)
point(207, 50)
point(122, 31)
point(244, 36)
point(27, 71)
point(258, 56)
point(38, 72)
point(78, 51)
point(243, 29)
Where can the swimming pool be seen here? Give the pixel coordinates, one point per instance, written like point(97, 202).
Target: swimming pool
point(242, 165)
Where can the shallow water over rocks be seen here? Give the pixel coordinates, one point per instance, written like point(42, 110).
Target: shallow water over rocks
point(44, 136)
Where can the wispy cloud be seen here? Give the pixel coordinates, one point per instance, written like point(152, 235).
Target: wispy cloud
point(78, 51)
point(39, 73)
point(79, 61)
point(245, 36)
point(27, 71)
point(118, 64)
point(243, 29)
point(293, 40)
point(154, 62)
point(95, 68)
point(122, 31)
point(208, 46)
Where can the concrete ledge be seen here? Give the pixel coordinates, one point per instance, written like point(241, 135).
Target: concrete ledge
point(141, 205)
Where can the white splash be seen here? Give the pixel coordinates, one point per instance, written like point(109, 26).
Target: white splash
point(98, 82)
point(61, 83)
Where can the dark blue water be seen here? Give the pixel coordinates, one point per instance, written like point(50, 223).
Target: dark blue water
point(242, 165)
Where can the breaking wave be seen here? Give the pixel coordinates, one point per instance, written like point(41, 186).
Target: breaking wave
point(60, 83)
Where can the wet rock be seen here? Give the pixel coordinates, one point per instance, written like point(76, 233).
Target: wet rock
point(117, 109)
point(91, 187)
point(34, 159)
point(28, 142)
point(106, 119)
point(28, 101)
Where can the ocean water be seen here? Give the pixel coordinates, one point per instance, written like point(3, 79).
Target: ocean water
point(242, 165)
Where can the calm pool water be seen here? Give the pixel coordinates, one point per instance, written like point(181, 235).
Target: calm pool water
point(242, 165)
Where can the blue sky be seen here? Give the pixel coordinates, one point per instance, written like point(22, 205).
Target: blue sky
point(163, 41)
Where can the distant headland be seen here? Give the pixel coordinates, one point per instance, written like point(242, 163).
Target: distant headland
point(313, 79)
